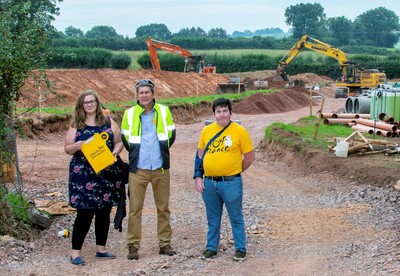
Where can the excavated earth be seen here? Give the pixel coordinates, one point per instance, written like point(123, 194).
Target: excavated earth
point(306, 212)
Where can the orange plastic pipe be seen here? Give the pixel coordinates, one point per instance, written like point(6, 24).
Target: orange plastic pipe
point(379, 125)
point(333, 121)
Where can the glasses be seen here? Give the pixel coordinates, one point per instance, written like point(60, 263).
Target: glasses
point(149, 82)
point(89, 103)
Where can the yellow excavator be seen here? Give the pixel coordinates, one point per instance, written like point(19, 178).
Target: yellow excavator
point(351, 79)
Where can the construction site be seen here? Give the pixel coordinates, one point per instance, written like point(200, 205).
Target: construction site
point(308, 212)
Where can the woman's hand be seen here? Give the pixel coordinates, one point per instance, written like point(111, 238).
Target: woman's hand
point(70, 146)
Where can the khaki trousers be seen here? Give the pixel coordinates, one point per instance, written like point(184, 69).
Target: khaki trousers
point(137, 190)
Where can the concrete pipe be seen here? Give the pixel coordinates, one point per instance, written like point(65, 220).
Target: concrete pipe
point(379, 125)
point(362, 105)
point(351, 124)
point(332, 121)
point(349, 105)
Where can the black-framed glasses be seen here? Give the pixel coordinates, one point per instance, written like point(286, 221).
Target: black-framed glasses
point(149, 82)
point(89, 102)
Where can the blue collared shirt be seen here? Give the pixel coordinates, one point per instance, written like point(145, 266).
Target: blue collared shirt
point(149, 153)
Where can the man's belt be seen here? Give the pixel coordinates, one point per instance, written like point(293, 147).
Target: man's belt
point(223, 178)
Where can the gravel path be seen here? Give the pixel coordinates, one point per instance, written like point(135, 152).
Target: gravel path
point(297, 224)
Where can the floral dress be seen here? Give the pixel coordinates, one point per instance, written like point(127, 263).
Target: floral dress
point(88, 190)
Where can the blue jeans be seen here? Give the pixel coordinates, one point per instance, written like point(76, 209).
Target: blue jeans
point(216, 193)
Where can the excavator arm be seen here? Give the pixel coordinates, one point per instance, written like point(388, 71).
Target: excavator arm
point(153, 45)
point(317, 46)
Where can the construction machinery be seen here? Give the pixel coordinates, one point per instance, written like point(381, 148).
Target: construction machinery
point(351, 79)
point(192, 63)
point(233, 86)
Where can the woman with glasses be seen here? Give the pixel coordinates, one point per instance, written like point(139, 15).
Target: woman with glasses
point(90, 193)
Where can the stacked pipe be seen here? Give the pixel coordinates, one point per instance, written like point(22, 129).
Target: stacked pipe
point(379, 128)
point(386, 127)
point(342, 118)
point(359, 104)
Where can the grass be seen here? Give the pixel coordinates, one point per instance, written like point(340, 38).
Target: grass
point(122, 105)
point(306, 129)
point(134, 56)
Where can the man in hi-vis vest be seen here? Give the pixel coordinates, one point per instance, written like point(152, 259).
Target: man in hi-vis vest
point(148, 132)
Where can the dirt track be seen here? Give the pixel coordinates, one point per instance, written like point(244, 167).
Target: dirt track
point(298, 222)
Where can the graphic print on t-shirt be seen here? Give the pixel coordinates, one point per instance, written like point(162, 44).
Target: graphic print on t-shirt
point(220, 144)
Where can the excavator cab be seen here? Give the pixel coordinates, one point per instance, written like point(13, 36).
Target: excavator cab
point(346, 74)
point(194, 64)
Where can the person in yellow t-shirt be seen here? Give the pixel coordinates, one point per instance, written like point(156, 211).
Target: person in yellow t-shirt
point(230, 154)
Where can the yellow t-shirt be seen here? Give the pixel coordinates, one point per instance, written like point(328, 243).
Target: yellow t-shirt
point(224, 155)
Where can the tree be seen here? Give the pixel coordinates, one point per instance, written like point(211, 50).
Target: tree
point(154, 30)
point(340, 29)
point(217, 33)
point(305, 19)
point(102, 31)
point(192, 32)
point(380, 24)
point(59, 34)
point(24, 32)
point(268, 31)
point(71, 31)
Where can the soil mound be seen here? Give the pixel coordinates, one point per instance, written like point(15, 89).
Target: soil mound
point(275, 102)
point(310, 78)
point(119, 85)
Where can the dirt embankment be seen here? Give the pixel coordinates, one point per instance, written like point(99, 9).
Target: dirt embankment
point(119, 85)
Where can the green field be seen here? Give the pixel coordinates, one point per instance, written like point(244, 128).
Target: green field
point(236, 52)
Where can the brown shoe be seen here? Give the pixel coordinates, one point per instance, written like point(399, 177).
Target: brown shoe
point(167, 250)
point(133, 253)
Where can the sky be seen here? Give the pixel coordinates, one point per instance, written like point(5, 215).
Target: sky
point(231, 15)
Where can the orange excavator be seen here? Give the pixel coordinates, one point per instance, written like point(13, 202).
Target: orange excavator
point(192, 63)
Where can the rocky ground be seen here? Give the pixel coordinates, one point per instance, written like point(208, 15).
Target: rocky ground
point(299, 221)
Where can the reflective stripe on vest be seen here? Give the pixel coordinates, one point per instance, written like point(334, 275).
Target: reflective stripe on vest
point(163, 136)
point(132, 139)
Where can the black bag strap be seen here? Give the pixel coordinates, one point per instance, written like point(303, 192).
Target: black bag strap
point(215, 137)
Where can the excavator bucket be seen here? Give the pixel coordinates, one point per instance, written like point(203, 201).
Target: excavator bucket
point(281, 75)
point(229, 88)
point(292, 83)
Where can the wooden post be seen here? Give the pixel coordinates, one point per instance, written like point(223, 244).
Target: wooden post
point(40, 100)
point(310, 101)
point(319, 118)
point(348, 92)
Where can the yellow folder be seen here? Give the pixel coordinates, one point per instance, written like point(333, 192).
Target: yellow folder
point(97, 152)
